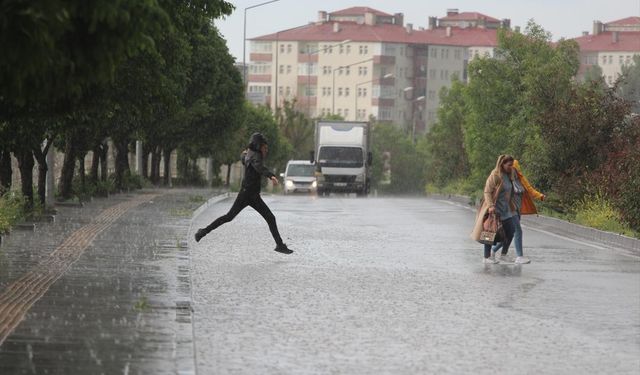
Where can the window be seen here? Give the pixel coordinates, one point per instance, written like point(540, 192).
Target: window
point(456, 54)
point(604, 60)
point(288, 69)
point(442, 53)
point(366, 50)
point(280, 90)
point(621, 60)
point(401, 51)
point(446, 54)
point(610, 59)
point(328, 91)
point(339, 91)
point(360, 71)
point(365, 71)
point(348, 49)
point(364, 92)
point(346, 91)
point(288, 91)
point(433, 53)
point(325, 49)
point(281, 69)
point(347, 71)
point(432, 73)
point(282, 48)
point(324, 92)
point(288, 48)
point(361, 50)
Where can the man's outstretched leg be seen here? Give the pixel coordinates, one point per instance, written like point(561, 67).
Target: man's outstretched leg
point(240, 203)
point(258, 204)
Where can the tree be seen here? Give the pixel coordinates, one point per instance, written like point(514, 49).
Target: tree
point(630, 85)
point(445, 153)
point(405, 164)
point(297, 128)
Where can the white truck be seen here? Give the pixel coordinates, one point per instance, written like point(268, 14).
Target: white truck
point(342, 157)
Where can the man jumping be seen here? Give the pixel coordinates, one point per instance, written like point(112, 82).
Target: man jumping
point(249, 195)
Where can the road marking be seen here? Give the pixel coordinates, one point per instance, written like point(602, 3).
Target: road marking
point(19, 296)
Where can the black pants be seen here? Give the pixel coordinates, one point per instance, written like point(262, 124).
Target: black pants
point(509, 230)
point(243, 200)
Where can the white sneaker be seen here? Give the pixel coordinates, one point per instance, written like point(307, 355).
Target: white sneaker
point(490, 260)
point(522, 260)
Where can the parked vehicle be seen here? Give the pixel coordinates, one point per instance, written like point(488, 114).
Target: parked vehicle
point(342, 157)
point(299, 177)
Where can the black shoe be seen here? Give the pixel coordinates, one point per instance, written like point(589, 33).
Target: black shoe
point(282, 248)
point(200, 233)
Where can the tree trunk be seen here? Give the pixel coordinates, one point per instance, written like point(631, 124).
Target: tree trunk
point(5, 171)
point(228, 182)
point(104, 154)
point(95, 163)
point(25, 164)
point(68, 169)
point(122, 162)
point(155, 166)
point(43, 168)
point(145, 160)
point(81, 171)
point(167, 167)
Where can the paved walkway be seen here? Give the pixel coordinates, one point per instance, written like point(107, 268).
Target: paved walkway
point(104, 289)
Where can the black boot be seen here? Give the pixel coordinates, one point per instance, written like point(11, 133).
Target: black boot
point(282, 248)
point(200, 233)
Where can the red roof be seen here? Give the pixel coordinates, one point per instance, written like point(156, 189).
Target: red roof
point(469, 16)
point(625, 21)
point(627, 41)
point(386, 33)
point(358, 11)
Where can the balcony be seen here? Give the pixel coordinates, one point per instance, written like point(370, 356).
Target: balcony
point(384, 60)
point(391, 81)
point(259, 77)
point(304, 101)
point(260, 57)
point(306, 58)
point(383, 102)
point(304, 79)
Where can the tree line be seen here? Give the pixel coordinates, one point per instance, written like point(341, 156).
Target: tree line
point(74, 74)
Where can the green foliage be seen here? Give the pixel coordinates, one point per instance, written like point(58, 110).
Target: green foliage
point(405, 165)
point(297, 128)
point(630, 85)
point(598, 212)
point(12, 211)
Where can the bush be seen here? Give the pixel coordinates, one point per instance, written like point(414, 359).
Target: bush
point(598, 212)
point(12, 210)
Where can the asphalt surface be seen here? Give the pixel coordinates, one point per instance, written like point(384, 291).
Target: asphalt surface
point(396, 286)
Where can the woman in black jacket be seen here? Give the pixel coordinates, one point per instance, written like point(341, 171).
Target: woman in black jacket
point(249, 194)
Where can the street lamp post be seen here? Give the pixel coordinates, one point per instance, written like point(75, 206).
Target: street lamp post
point(333, 86)
point(244, 38)
point(364, 83)
point(309, 53)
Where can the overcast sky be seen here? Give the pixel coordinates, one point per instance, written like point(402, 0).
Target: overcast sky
point(564, 18)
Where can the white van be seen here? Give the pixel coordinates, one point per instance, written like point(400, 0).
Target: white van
point(299, 177)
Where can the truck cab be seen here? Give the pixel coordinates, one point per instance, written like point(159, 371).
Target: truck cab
point(342, 157)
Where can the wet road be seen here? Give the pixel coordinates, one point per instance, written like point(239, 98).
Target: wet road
point(396, 286)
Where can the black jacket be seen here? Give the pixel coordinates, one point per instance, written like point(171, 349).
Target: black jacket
point(253, 169)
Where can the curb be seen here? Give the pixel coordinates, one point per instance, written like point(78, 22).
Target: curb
point(187, 306)
point(562, 227)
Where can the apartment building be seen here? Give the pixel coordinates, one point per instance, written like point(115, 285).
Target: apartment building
point(361, 62)
point(611, 46)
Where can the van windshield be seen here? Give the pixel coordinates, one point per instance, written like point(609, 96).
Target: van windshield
point(300, 170)
point(341, 157)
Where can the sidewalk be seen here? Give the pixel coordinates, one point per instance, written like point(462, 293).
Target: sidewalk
point(103, 289)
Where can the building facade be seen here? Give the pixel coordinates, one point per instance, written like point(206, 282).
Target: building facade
point(360, 62)
point(610, 46)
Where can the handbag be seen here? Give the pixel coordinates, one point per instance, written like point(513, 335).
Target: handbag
point(491, 229)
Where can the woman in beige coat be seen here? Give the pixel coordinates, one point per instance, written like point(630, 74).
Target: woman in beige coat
point(499, 185)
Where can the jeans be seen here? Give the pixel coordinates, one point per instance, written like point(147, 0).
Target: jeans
point(517, 238)
point(243, 200)
point(509, 229)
